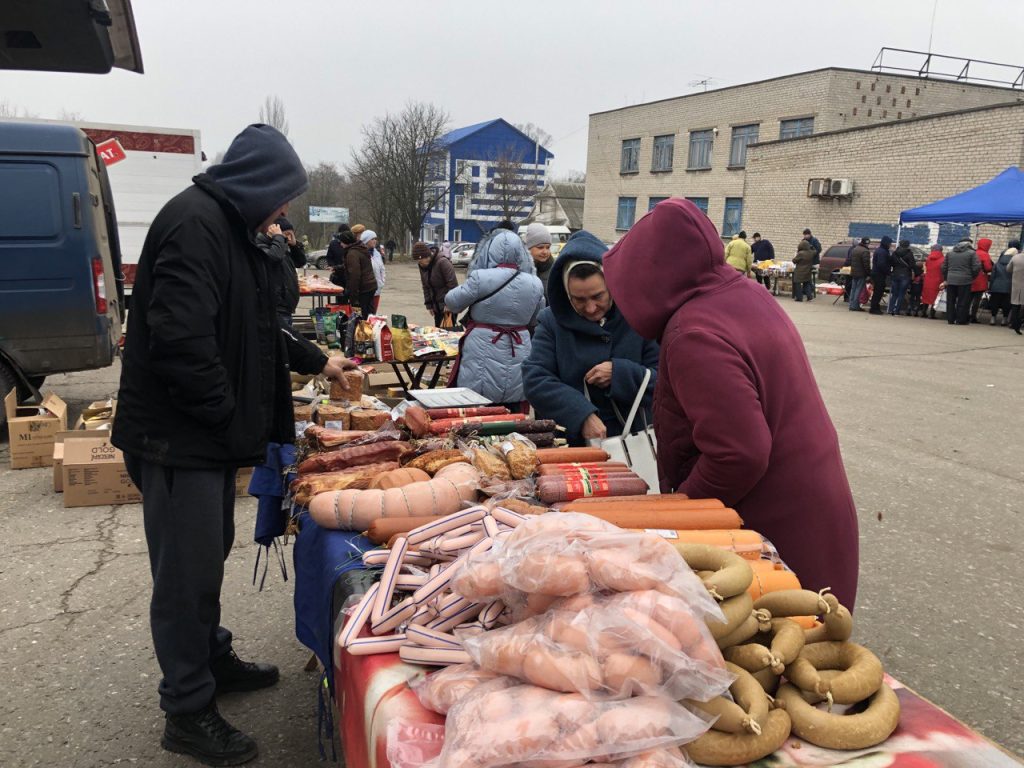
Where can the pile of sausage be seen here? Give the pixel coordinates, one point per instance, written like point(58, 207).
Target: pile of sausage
point(604, 633)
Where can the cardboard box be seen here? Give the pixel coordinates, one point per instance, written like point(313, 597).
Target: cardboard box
point(242, 479)
point(99, 415)
point(31, 433)
point(94, 472)
point(58, 466)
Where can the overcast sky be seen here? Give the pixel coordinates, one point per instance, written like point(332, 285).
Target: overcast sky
point(209, 64)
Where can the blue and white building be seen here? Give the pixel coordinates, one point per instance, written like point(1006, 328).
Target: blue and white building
point(463, 185)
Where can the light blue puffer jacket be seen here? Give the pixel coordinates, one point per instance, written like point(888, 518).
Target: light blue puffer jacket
point(491, 360)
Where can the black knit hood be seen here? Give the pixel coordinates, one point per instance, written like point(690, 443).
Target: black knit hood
point(260, 172)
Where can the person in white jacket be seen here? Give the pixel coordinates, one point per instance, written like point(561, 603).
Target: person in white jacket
point(369, 239)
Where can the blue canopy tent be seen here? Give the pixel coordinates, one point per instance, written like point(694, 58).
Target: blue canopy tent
point(998, 201)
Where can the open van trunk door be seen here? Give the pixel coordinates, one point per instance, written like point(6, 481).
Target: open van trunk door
point(107, 287)
point(69, 36)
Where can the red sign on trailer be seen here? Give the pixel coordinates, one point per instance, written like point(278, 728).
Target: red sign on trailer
point(111, 152)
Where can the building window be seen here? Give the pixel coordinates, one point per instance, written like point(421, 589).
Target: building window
point(742, 135)
point(872, 86)
point(903, 89)
point(878, 101)
point(794, 129)
point(630, 156)
point(858, 85)
point(460, 169)
point(733, 216)
point(664, 146)
point(627, 213)
point(458, 235)
point(700, 202)
point(917, 91)
point(885, 113)
point(701, 143)
point(864, 99)
point(908, 103)
point(854, 111)
point(899, 115)
point(461, 209)
point(653, 201)
point(869, 113)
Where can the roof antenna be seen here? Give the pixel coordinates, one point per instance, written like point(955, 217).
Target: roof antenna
point(931, 30)
point(706, 81)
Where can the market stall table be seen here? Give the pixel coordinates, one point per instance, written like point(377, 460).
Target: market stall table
point(373, 693)
point(411, 372)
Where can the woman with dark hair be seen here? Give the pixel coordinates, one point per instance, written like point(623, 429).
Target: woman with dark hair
point(999, 285)
point(437, 275)
point(587, 364)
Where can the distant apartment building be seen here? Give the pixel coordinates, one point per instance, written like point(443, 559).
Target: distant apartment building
point(702, 146)
point(489, 170)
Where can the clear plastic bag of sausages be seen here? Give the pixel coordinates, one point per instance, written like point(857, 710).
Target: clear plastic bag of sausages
point(527, 725)
point(565, 554)
point(609, 647)
point(440, 690)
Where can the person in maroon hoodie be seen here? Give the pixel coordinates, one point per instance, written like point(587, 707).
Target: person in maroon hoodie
point(736, 419)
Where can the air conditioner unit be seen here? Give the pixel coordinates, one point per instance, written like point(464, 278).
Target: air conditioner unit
point(818, 187)
point(840, 188)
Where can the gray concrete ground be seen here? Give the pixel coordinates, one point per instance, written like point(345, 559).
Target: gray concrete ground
point(932, 432)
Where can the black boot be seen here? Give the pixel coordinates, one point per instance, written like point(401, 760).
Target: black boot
point(208, 737)
point(234, 675)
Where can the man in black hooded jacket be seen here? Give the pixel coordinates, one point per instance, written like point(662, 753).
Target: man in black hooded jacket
point(204, 386)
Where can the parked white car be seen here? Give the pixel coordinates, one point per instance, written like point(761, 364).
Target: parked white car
point(462, 254)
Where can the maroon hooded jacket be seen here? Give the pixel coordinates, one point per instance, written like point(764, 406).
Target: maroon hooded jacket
point(737, 411)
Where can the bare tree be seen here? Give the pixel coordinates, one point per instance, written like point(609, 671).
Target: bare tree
point(69, 116)
point(514, 184)
point(328, 186)
point(272, 113)
point(535, 132)
point(399, 168)
point(7, 109)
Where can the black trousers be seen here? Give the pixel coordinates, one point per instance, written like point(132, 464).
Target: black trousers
point(877, 290)
point(958, 304)
point(1016, 316)
point(189, 517)
point(366, 304)
point(975, 304)
point(999, 301)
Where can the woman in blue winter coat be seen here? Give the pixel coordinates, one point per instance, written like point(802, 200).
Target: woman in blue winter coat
point(582, 339)
point(503, 296)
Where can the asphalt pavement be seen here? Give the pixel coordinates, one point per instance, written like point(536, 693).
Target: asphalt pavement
point(932, 431)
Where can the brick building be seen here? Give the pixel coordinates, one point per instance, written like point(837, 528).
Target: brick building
point(696, 146)
point(890, 168)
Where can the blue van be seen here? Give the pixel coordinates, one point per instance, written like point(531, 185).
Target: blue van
point(61, 303)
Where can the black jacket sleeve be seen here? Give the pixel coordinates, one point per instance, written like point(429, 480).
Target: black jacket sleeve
point(188, 292)
point(303, 355)
point(297, 254)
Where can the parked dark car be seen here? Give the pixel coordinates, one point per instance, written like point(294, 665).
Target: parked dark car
point(60, 259)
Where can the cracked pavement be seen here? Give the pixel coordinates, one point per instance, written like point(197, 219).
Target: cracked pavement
point(932, 428)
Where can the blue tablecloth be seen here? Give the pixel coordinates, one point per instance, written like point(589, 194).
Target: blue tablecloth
point(321, 558)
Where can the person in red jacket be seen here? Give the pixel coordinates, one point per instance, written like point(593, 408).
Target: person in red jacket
point(932, 281)
point(980, 284)
point(736, 419)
